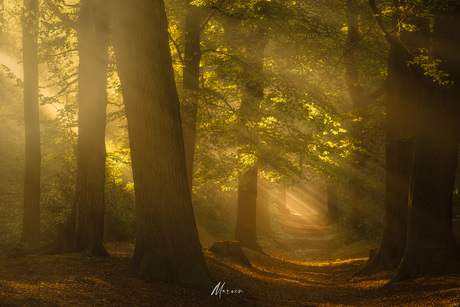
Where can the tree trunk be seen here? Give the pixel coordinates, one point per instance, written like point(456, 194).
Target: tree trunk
point(332, 202)
point(191, 81)
point(359, 103)
point(84, 229)
point(231, 249)
point(167, 244)
point(246, 221)
point(93, 38)
point(263, 210)
point(31, 214)
point(430, 244)
point(2, 21)
point(402, 103)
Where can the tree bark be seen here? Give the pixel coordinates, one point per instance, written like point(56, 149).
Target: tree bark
point(2, 21)
point(246, 221)
point(402, 104)
point(31, 214)
point(167, 244)
point(359, 103)
point(89, 207)
point(332, 202)
point(430, 244)
point(401, 100)
point(263, 210)
point(84, 230)
point(191, 81)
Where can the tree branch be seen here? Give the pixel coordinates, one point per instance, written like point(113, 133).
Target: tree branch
point(63, 17)
point(177, 47)
point(387, 35)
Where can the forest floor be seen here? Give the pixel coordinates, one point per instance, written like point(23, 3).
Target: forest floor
point(300, 270)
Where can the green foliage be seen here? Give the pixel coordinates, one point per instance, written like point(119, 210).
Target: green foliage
point(120, 216)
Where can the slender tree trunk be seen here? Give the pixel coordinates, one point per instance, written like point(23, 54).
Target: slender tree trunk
point(332, 202)
point(246, 221)
point(281, 202)
point(191, 81)
point(31, 216)
point(167, 244)
point(430, 244)
point(359, 103)
point(263, 210)
point(2, 21)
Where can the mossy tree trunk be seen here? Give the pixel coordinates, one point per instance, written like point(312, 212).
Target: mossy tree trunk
point(167, 244)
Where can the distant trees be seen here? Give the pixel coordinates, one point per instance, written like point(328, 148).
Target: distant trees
point(31, 213)
point(167, 244)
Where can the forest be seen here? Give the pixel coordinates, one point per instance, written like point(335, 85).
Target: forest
point(229, 152)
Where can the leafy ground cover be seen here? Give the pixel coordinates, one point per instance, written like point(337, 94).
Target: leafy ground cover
point(298, 271)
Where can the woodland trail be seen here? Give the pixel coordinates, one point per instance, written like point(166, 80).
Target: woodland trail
point(298, 271)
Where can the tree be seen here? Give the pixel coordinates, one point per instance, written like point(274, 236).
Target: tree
point(402, 99)
point(2, 21)
point(191, 81)
point(31, 215)
point(332, 201)
point(430, 244)
point(253, 93)
point(167, 244)
point(360, 99)
point(422, 144)
point(84, 229)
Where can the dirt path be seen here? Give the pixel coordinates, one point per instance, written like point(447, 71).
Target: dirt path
point(297, 272)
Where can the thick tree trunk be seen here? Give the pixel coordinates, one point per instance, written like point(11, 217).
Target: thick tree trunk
point(246, 221)
point(85, 227)
point(401, 101)
point(430, 244)
point(93, 38)
point(31, 214)
point(402, 104)
point(191, 81)
point(167, 244)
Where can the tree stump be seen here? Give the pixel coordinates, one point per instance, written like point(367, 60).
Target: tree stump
point(231, 249)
